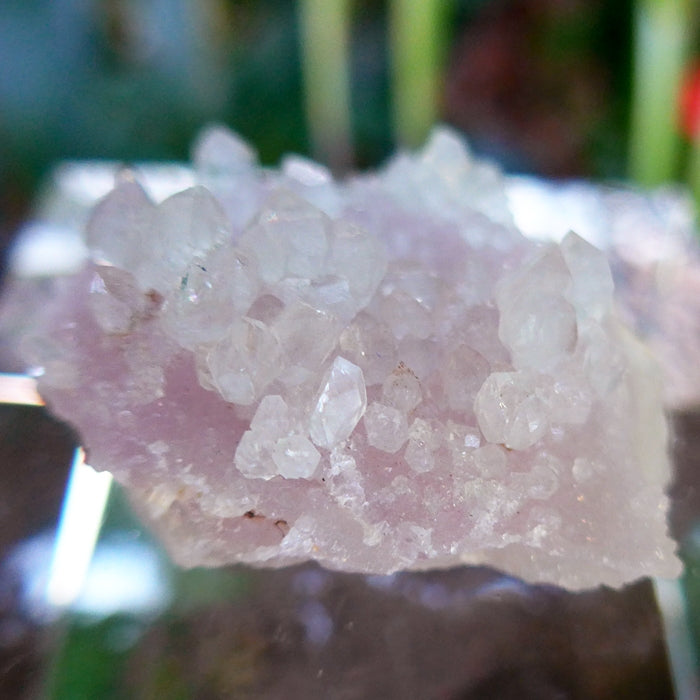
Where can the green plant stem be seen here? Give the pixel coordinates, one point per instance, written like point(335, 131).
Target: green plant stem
point(417, 41)
point(325, 41)
point(694, 171)
point(661, 46)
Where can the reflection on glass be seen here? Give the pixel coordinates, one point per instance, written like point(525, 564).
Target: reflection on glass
point(78, 529)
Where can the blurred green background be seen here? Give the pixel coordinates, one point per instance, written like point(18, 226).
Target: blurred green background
point(544, 86)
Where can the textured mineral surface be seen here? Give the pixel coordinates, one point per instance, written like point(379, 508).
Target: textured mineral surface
point(379, 374)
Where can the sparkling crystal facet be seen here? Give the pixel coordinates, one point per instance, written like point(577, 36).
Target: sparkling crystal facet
point(341, 403)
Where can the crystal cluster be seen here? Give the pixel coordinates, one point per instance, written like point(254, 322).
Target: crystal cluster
point(651, 241)
point(378, 374)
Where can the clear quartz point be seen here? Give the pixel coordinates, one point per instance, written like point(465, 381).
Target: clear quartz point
point(341, 403)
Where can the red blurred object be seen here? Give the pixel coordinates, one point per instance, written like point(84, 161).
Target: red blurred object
point(689, 107)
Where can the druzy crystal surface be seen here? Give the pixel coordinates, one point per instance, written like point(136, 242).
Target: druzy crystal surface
point(379, 374)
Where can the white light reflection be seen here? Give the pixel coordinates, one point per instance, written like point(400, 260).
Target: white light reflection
point(43, 248)
point(548, 211)
point(678, 638)
point(78, 529)
point(19, 389)
point(68, 570)
point(125, 576)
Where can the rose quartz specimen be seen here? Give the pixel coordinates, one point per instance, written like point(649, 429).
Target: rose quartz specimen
point(378, 374)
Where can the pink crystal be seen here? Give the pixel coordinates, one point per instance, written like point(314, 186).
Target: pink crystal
point(378, 374)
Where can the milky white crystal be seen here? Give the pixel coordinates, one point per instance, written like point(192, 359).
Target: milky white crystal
point(378, 374)
point(386, 427)
point(295, 457)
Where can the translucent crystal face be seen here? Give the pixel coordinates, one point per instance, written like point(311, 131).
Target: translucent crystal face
point(509, 410)
point(295, 457)
point(378, 374)
point(386, 427)
point(340, 405)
